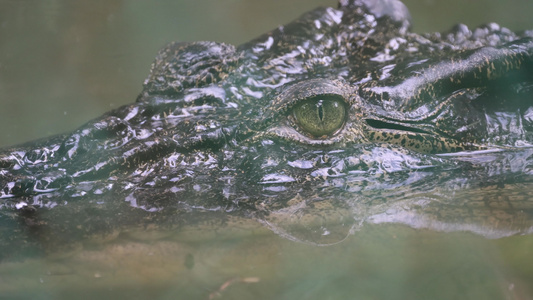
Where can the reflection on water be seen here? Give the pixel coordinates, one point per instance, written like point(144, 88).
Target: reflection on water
point(294, 256)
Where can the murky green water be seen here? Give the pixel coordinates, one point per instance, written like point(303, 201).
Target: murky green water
point(379, 262)
point(65, 62)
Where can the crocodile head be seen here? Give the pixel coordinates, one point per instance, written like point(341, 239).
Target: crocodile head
point(339, 118)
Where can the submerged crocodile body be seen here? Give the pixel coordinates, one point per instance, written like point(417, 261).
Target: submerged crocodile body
point(338, 118)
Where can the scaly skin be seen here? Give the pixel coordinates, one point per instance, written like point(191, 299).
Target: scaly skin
point(217, 133)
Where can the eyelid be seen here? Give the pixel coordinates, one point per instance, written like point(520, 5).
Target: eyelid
point(284, 101)
point(289, 133)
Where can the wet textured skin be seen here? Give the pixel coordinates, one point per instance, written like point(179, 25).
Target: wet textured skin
point(214, 136)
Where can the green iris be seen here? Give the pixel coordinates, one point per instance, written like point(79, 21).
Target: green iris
point(320, 116)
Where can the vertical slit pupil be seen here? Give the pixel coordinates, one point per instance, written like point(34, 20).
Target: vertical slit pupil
point(320, 110)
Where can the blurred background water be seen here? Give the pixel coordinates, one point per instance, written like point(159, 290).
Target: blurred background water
point(64, 62)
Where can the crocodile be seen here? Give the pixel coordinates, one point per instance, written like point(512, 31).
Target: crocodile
point(340, 118)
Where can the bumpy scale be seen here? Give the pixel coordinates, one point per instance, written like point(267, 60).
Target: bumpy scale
point(326, 118)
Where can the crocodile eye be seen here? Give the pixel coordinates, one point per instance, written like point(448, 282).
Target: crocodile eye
point(320, 116)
